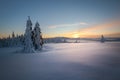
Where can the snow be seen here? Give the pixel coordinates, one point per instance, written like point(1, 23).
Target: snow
point(37, 37)
point(28, 46)
point(62, 61)
point(33, 38)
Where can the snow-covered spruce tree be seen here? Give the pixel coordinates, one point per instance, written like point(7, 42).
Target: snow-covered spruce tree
point(28, 45)
point(41, 39)
point(37, 38)
point(13, 39)
point(102, 39)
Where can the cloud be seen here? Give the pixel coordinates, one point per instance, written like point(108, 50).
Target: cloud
point(67, 25)
point(113, 26)
point(83, 23)
point(108, 29)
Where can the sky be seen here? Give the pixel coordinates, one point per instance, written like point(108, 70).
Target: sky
point(62, 18)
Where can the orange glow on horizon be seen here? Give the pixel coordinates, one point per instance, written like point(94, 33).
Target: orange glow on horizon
point(82, 35)
point(110, 29)
point(74, 35)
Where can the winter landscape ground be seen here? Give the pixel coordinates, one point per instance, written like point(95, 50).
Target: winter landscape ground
point(62, 61)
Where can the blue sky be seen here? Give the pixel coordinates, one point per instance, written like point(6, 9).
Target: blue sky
point(57, 13)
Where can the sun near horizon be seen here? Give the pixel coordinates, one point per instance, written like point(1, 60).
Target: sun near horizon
point(62, 18)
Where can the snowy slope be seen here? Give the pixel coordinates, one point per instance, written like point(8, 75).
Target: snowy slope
point(62, 61)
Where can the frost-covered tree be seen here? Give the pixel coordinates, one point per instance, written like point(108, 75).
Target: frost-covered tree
point(41, 39)
point(64, 40)
point(32, 39)
point(102, 39)
point(28, 45)
point(37, 38)
point(12, 43)
point(13, 35)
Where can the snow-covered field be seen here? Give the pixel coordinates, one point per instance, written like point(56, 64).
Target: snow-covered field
point(62, 61)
